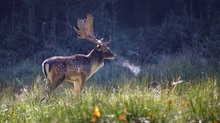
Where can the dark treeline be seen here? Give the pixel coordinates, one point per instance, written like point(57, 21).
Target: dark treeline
point(37, 29)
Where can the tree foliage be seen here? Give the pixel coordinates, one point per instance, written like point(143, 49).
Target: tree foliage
point(37, 29)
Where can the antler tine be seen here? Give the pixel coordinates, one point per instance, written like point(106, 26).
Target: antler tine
point(85, 30)
point(108, 42)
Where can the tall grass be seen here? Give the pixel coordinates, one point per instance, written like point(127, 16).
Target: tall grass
point(130, 101)
point(113, 94)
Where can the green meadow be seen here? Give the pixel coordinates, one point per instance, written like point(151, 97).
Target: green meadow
point(186, 91)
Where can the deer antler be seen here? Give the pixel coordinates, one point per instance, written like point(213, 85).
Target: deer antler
point(86, 31)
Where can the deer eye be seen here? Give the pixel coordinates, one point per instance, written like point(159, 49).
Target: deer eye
point(98, 46)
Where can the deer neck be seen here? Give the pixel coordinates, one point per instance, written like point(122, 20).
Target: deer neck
point(96, 61)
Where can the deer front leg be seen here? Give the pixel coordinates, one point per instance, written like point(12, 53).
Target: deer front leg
point(78, 87)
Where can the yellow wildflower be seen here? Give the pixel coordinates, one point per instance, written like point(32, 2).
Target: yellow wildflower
point(93, 120)
point(213, 113)
point(169, 101)
point(96, 112)
point(150, 115)
point(122, 118)
point(185, 105)
point(127, 112)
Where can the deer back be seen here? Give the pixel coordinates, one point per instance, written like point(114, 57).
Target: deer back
point(68, 66)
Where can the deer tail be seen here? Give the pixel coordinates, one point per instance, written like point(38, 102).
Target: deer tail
point(46, 68)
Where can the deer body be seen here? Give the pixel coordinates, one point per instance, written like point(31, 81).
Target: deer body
point(71, 67)
point(76, 68)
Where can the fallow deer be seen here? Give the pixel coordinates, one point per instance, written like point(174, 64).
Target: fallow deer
point(76, 68)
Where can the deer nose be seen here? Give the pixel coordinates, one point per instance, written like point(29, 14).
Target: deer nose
point(114, 55)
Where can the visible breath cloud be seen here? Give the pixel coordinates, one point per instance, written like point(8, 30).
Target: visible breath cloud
point(133, 68)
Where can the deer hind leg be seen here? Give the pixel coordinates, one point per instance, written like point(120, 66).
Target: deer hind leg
point(50, 86)
point(46, 90)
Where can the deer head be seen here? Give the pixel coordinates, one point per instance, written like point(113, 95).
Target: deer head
point(86, 31)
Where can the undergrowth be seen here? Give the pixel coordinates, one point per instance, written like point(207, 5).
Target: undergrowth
point(129, 101)
point(179, 88)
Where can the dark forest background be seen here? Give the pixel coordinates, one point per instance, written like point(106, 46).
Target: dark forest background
point(143, 32)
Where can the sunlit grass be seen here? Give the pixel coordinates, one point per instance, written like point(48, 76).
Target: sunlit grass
point(127, 102)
